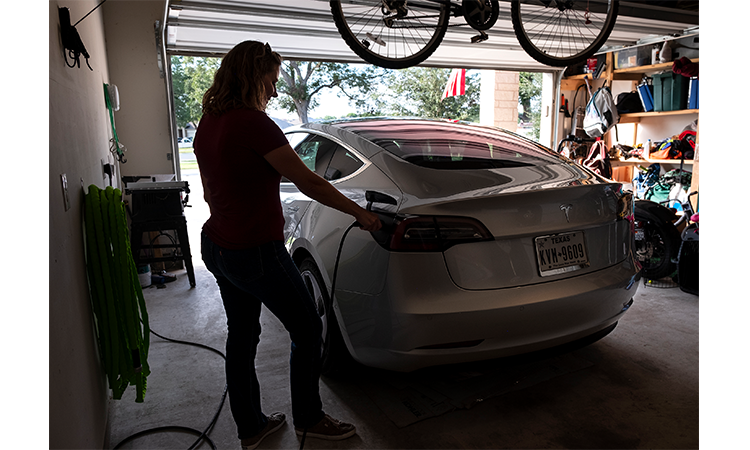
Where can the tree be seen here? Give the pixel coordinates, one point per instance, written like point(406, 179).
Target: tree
point(418, 91)
point(529, 98)
point(301, 81)
point(529, 88)
point(372, 90)
point(191, 78)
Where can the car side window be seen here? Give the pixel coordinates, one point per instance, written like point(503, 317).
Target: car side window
point(323, 156)
point(296, 138)
point(316, 152)
point(343, 164)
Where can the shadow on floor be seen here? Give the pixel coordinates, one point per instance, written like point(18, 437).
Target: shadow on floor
point(635, 388)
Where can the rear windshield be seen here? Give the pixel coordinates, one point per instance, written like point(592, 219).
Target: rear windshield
point(444, 145)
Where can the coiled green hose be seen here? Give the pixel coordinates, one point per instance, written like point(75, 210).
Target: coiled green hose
point(120, 317)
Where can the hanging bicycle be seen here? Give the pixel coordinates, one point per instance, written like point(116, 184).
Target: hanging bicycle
point(396, 34)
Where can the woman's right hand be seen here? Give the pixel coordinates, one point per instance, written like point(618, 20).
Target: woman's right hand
point(368, 221)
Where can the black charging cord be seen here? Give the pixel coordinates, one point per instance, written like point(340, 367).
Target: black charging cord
point(338, 256)
point(202, 435)
point(333, 289)
point(333, 281)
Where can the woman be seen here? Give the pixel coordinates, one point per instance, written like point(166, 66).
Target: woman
point(242, 155)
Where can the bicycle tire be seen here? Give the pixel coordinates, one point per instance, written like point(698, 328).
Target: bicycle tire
point(659, 246)
point(408, 41)
point(555, 32)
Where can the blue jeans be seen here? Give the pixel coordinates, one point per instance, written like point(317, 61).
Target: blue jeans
point(248, 278)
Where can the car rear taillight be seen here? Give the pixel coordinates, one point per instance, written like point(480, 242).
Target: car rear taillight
point(434, 233)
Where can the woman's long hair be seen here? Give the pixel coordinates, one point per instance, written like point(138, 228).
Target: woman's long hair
point(239, 83)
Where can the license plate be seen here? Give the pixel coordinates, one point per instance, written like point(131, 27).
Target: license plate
point(560, 253)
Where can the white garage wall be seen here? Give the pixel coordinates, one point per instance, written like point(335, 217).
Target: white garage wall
point(120, 38)
point(143, 119)
point(78, 141)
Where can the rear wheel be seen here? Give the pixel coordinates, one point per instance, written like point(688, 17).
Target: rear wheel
point(563, 32)
point(394, 34)
point(334, 354)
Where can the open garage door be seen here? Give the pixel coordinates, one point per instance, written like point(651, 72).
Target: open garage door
point(304, 30)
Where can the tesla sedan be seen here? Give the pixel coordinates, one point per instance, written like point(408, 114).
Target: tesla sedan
point(492, 244)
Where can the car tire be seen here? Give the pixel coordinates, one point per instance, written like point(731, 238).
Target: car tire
point(334, 354)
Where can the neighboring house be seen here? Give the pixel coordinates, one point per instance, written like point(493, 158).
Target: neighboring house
point(281, 123)
point(187, 132)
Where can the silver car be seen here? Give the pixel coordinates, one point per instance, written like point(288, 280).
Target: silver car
point(492, 245)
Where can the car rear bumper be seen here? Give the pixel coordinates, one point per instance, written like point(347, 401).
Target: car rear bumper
point(414, 324)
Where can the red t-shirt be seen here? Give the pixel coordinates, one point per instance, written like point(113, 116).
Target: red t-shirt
point(244, 187)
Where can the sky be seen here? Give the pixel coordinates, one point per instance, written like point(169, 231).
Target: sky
point(330, 105)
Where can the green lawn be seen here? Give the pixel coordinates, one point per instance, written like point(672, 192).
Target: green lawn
point(187, 165)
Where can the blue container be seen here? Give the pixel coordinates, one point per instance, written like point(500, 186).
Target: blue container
point(647, 98)
point(693, 95)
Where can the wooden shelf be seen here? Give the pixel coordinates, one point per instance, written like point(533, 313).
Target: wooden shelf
point(581, 76)
point(623, 170)
point(635, 161)
point(631, 73)
point(650, 68)
point(636, 117)
point(571, 83)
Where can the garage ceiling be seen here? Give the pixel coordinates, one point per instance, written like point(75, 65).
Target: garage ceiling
point(304, 30)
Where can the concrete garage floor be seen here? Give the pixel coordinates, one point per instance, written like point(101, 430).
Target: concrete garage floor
point(636, 388)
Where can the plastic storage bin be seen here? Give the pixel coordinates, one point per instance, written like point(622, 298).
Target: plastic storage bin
point(632, 57)
point(670, 91)
point(693, 94)
point(645, 92)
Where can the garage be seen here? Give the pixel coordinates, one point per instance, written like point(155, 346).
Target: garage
point(637, 387)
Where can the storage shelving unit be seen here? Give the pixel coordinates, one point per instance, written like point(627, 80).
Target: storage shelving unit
point(653, 119)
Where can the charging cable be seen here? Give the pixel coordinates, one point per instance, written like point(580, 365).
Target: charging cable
point(333, 289)
point(202, 435)
point(335, 274)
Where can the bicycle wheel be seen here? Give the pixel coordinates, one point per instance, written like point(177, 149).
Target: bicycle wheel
point(561, 33)
point(394, 34)
point(656, 243)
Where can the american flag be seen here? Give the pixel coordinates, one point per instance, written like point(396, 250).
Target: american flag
point(456, 83)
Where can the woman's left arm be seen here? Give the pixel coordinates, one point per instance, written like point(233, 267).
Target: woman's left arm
point(289, 165)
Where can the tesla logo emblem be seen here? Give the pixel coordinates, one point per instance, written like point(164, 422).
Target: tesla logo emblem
point(566, 209)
